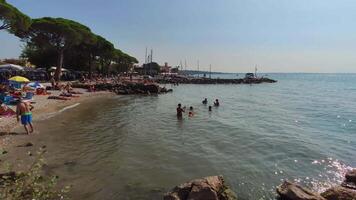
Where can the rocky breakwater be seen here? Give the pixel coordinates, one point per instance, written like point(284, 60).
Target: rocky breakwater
point(209, 188)
point(345, 191)
point(126, 88)
point(215, 81)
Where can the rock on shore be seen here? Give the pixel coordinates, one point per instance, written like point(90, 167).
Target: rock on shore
point(127, 88)
point(292, 191)
point(346, 191)
point(339, 193)
point(209, 188)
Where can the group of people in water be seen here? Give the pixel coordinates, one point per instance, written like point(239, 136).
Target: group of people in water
point(181, 110)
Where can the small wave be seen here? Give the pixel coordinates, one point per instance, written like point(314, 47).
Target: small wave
point(50, 115)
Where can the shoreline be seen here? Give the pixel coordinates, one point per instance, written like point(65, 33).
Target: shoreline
point(44, 109)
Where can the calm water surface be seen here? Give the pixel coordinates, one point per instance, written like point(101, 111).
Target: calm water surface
point(133, 147)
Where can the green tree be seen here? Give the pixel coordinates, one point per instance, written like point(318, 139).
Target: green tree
point(12, 20)
point(59, 34)
point(105, 53)
point(40, 57)
point(123, 62)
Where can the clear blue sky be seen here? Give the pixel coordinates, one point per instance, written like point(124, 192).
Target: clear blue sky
point(232, 35)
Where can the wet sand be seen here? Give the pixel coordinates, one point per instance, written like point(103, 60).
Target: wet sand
point(12, 134)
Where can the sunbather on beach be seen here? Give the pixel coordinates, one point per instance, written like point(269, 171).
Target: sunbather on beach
point(24, 110)
point(5, 110)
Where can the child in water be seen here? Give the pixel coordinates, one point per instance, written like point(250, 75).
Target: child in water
point(191, 113)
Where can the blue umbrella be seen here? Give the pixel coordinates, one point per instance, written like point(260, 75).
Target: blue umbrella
point(35, 85)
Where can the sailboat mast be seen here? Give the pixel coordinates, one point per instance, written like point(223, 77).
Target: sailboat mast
point(198, 68)
point(256, 71)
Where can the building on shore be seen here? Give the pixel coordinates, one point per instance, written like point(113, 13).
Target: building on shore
point(154, 69)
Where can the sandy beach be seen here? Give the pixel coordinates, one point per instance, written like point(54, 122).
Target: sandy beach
point(44, 108)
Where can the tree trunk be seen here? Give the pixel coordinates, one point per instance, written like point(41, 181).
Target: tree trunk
point(90, 67)
point(57, 74)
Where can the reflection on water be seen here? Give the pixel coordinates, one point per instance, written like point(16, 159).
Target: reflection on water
point(134, 147)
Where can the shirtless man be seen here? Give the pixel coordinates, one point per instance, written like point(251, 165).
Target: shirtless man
point(180, 111)
point(24, 110)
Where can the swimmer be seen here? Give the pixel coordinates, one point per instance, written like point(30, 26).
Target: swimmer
point(216, 103)
point(180, 111)
point(205, 101)
point(191, 113)
point(210, 108)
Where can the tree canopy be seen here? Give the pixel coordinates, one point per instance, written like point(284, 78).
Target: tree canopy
point(49, 40)
point(12, 20)
point(59, 34)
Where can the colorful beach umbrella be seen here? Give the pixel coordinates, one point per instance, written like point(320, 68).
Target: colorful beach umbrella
point(35, 85)
point(19, 79)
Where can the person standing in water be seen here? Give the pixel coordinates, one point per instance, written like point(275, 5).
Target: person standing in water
point(180, 111)
point(216, 103)
point(191, 111)
point(210, 108)
point(205, 101)
point(24, 110)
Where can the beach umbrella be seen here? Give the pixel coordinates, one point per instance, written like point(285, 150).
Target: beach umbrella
point(19, 79)
point(35, 85)
point(12, 67)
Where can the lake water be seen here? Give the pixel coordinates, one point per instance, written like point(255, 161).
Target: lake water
point(302, 128)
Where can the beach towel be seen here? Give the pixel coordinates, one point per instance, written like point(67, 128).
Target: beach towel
point(5, 111)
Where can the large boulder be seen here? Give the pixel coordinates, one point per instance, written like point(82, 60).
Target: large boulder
point(209, 188)
point(292, 191)
point(339, 193)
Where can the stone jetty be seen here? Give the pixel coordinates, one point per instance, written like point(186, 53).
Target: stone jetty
point(184, 80)
point(126, 88)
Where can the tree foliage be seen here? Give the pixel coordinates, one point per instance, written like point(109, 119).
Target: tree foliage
point(12, 20)
point(63, 42)
point(59, 34)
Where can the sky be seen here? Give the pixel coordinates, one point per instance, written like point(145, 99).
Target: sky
point(231, 35)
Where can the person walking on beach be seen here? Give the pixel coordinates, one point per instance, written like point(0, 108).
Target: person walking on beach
point(24, 110)
point(180, 111)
